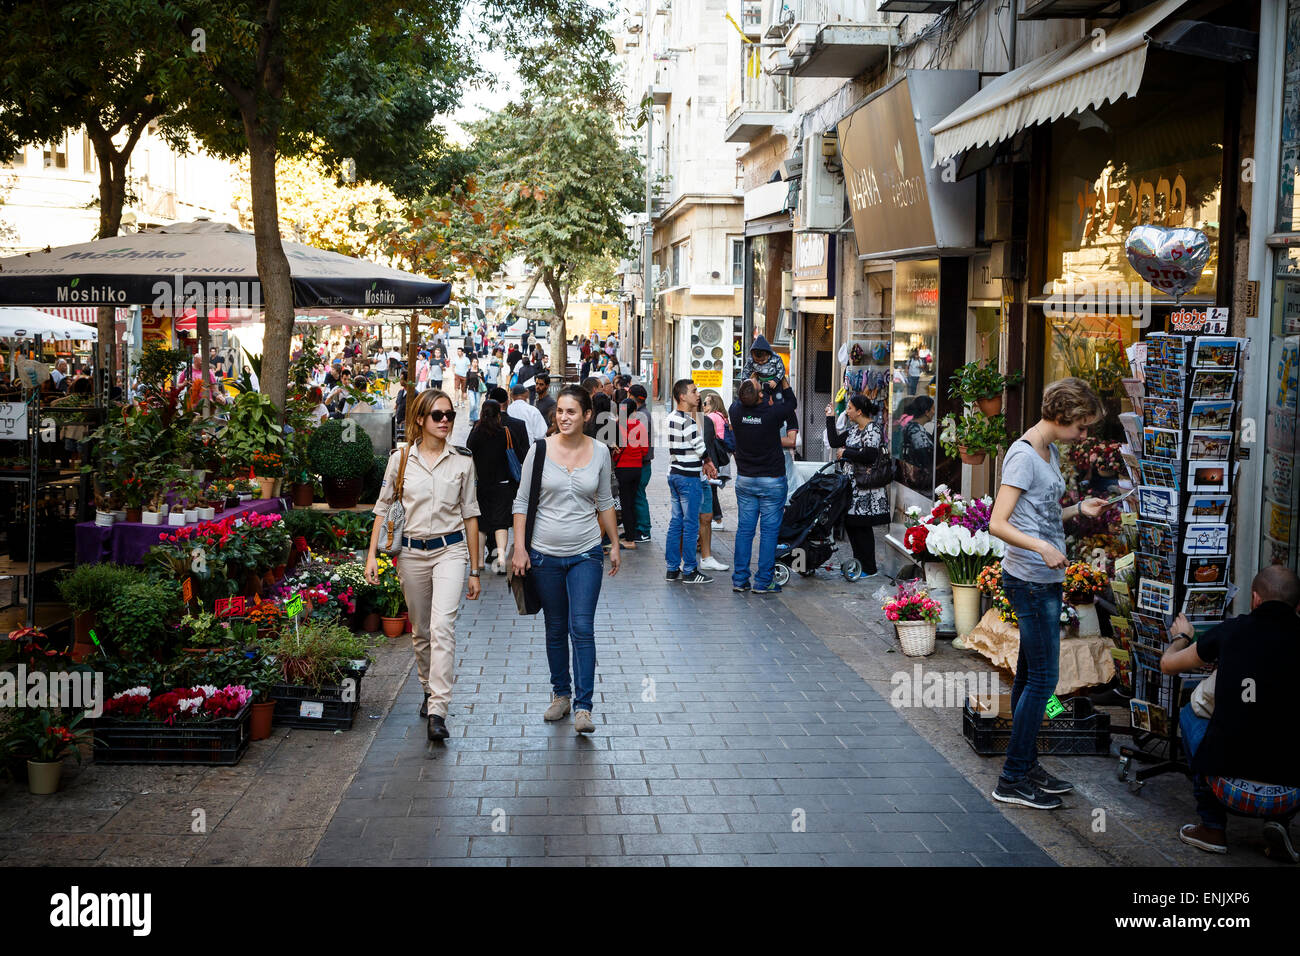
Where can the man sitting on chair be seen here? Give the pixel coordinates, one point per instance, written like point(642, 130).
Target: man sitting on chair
point(1244, 758)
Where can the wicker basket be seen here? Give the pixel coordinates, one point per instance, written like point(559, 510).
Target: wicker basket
point(916, 637)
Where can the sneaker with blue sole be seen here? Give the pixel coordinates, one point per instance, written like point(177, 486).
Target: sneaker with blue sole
point(772, 588)
point(741, 588)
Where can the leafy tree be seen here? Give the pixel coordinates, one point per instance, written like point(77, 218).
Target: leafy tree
point(559, 163)
point(71, 64)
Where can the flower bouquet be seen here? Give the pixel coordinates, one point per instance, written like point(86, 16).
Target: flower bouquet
point(1083, 582)
point(915, 615)
point(964, 552)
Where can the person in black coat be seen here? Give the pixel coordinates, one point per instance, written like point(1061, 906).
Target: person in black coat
point(861, 443)
point(488, 443)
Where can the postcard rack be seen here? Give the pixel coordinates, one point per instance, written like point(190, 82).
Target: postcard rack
point(1185, 440)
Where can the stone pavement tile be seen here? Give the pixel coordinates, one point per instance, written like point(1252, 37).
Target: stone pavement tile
point(758, 822)
point(814, 842)
point(232, 846)
point(173, 813)
point(909, 822)
point(693, 823)
point(733, 803)
point(784, 859)
point(428, 847)
point(681, 787)
point(546, 825)
point(745, 843)
point(940, 842)
point(862, 859)
point(712, 859)
point(886, 842)
point(510, 846)
point(547, 861)
point(646, 860)
point(351, 851)
point(616, 823)
point(635, 844)
point(1037, 858)
point(669, 804)
point(484, 788)
point(939, 859)
point(582, 844)
point(440, 807)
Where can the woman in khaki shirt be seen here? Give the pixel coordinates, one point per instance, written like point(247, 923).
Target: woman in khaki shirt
point(440, 496)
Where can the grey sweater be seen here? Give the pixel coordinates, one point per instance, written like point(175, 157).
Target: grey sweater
point(566, 514)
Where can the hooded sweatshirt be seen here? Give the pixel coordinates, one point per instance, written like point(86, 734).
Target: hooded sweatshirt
point(771, 370)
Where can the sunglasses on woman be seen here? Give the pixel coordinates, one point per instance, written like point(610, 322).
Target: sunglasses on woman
point(438, 415)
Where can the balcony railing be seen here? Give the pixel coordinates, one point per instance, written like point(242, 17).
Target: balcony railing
point(755, 103)
point(751, 16)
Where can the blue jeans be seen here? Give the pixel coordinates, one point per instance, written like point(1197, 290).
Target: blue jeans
point(757, 498)
point(473, 404)
point(642, 503)
point(1038, 610)
point(569, 588)
point(684, 526)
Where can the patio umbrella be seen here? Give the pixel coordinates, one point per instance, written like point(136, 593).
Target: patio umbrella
point(201, 263)
point(26, 323)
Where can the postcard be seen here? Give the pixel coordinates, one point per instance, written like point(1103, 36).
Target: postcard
point(1166, 351)
point(1134, 389)
point(1159, 473)
point(1215, 352)
point(1212, 383)
point(1278, 474)
point(1156, 597)
point(1209, 445)
point(1163, 412)
point(1207, 509)
point(1132, 423)
point(1168, 382)
point(1162, 443)
point(1207, 476)
point(1204, 571)
point(1215, 415)
point(1139, 712)
point(1205, 602)
point(1210, 539)
point(1137, 359)
point(1157, 539)
point(1155, 567)
point(1158, 504)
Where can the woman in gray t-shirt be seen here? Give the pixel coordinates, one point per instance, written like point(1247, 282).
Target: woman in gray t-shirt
point(575, 504)
point(1027, 516)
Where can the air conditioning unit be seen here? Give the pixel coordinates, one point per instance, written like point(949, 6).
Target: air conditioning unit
point(821, 199)
point(708, 350)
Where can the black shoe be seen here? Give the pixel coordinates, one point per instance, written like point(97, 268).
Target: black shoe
point(740, 588)
point(672, 575)
point(1045, 782)
point(1025, 794)
point(641, 537)
point(437, 728)
point(696, 577)
point(424, 707)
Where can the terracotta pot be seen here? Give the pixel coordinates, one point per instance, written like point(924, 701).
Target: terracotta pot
point(43, 776)
point(969, 459)
point(259, 725)
point(371, 622)
point(134, 514)
point(342, 493)
point(393, 626)
point(990, 406)
point(198, 651)
point(267, 486)
point(279, 487)
point(303, 494)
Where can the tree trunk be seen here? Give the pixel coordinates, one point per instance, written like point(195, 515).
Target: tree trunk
point(272, 264)
point(412, 355)
point(559, 344)
point(112, 197)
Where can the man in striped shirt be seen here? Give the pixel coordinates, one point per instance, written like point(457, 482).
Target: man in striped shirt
point(686, 450)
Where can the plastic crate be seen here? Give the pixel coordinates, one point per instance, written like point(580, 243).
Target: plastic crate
point(316, 708)
point(220, 742)
point(1080, 731)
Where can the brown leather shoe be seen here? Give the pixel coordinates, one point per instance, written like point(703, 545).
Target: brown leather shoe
point(1203, 838)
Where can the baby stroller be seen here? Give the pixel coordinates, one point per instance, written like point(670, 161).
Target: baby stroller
point(806, 539)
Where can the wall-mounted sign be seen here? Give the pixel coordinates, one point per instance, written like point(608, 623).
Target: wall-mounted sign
point(707, 379)
point(1209, 321)
point(814, 265)
point(13, 421)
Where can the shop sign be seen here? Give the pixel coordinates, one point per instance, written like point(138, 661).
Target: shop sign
point(711, 378)
point(155, 328)
point(813, 265)
point(1190, 320)
point(13, 420)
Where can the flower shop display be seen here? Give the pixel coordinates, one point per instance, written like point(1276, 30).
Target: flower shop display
point(89, 590)
point(321, 665)
point(1083, 582)
point(392, 600)
point(342, 454)
point(268, 469)
point(200, 724)
point(948, 509)
point(974, 436)
point(252, 428)
point(965, 554)
point(915, 615)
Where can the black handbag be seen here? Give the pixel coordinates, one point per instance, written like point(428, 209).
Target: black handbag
point(524, 586)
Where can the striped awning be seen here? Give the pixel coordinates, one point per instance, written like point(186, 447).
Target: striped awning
point(86, 314)
point(1101, 67)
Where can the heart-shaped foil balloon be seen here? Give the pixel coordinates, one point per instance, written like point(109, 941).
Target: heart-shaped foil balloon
point(1170, 259)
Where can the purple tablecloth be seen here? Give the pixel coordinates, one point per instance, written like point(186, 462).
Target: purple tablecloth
point(127, 542)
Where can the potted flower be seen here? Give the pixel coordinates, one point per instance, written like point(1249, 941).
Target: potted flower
point(916, 616)
point(252, 428)
point(268, 469)
point(50, 738)
point(983, 385)
point(261, 677)
point(973, 436)
point(390, 598)
point(990, 585)
point(965, 553)
point(342, 454)
point(89, 590)
point(1082, 583)
point(203, 632)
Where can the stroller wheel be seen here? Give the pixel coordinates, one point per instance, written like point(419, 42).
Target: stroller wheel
point(781, 574)
point(851, 569)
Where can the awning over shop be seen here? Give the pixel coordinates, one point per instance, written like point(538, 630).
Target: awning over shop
point(86, 315)
point(768, 199)
point(1091, 71)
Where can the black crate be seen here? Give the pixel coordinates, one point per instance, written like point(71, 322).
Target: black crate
point(1080, 731)
point(220, 742)
point(335, 712)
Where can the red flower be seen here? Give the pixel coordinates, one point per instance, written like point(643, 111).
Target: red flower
point(914, 538)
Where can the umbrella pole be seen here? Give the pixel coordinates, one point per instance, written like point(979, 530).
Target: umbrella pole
point(33, 439)
point(201, 326)
point(412, 353)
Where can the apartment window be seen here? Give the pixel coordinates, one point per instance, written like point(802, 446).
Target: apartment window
point(676, 277)
point(737, 260)
point(56, 154)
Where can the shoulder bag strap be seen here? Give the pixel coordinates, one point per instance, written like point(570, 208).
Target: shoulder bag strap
point(509, 444)
point(397, 497)
point(534, 491)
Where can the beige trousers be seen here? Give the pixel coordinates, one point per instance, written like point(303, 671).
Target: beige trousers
point(433, 582)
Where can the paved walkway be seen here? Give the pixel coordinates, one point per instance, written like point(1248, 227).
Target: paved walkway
point(727, 733)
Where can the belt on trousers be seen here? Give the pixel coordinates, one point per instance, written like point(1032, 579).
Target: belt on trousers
point(433, 544)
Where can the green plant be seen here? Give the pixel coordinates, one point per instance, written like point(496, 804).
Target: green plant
point(340, 450)
point(253, 428)
point(52, 736)
point(374, 481)
point(317, 652)
point(314, 526)
point(159, 365)
point(355, 527)
point(389, 595)
point(974, 381)
point(93, 587)
point(140, 618)
point(973, 433)
point(204, 630)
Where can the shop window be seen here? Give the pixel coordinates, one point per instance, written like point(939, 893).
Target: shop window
point(913, 398)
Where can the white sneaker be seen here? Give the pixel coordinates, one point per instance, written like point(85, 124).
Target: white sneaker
point(713, 564)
